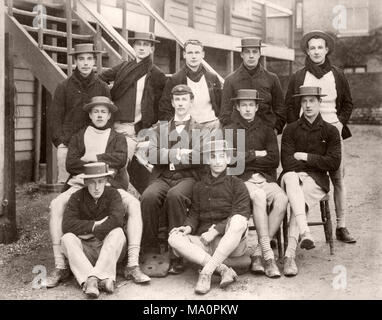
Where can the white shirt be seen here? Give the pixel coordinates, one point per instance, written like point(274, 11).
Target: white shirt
point(328, 86)
point(138, 98)
point(202, 110)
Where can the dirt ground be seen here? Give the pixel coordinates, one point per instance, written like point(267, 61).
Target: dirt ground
point(354, 272)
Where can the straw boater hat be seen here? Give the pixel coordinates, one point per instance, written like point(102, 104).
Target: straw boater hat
point(247, 94)
point(250, 42)
point(317, 33)
point(100, 101)
point(309, 91)
point(84, 48)
point(216, 145)
point(146, 36)
point(95, 170)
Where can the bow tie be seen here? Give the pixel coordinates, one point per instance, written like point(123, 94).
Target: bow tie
point(180, 123)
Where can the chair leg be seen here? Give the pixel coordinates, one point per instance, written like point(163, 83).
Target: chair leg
point(279, 244)
point(329, 227)
point(323, 205)
point(285, 231)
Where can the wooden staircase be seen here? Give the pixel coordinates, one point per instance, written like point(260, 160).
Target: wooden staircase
point(44, 32)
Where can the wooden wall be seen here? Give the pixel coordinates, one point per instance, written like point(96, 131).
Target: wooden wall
point(24, 120)
point(248, 26)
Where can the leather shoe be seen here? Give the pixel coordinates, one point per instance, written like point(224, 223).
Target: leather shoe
point(176, 266)
point(228, 276)
point(57, 276)
point(307, 241)
point(343, 234)
point(271, 269)
point(204, 283)
point(257, 265)
point(91, 288)
point(107, 285)
point(290, 267)
point(135, 273)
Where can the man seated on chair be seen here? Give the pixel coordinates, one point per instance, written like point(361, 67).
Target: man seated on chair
point(217, 225)
point(261, 161)
point(310, 147)
point(93, 239)
point(97, 142)
point(173, 176)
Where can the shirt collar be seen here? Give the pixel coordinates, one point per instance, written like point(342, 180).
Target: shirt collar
point(186, 118)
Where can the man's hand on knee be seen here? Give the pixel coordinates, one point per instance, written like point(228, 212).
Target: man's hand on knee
point(209, 236)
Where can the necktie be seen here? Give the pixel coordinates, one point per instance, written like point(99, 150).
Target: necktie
point(180, 123)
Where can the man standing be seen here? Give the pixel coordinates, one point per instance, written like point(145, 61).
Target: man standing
point(310, 147)
point(97, 142)
point(67, 116)
point(336, 107)
point(261, 161)
point(93, 239)
point(136, 91)
point(204, 84)
point(252, 75)
point(173, 176)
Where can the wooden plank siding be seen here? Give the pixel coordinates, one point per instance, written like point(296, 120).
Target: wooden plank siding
point(176, 11)
point(24, 117)
point(248, 26)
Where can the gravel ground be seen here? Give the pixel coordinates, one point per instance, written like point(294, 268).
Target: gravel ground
point(354, 272)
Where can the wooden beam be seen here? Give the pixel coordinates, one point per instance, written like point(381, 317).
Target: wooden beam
point(124, 27)
point(152, 24)
point(69, 41)
point(10, 7)
point(230, 62)
point(227, 17)
point(37, 132)
point(51, 151)
point(2, 100)
point(177, 57)
point(8, 230)
point(39, 62)
point(99, 40)
point(264, 18)
point(191, 13)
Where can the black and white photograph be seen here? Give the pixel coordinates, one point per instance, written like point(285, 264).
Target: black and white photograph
point(199, 151)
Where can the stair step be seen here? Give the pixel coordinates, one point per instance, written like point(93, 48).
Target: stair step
point(54, 48)
point(55, 6)
point(48, 17)
point(59, 33)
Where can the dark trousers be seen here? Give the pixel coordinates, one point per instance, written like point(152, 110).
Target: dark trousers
point(167, 197)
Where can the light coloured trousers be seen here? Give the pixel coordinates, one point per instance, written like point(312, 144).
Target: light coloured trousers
point(62, 152)
point(94, 257)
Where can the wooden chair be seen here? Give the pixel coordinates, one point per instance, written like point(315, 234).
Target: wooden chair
point(326, 223)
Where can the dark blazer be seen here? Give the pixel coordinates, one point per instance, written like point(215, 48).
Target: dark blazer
point(320, 140)
point(115, 156)
point(215, 200)
point(82, 211)
point(258, 136)
point(272, 110)
point(344, 102)
point(67, 116)
point(154, 84)
point(161, 153)
point(166, 111)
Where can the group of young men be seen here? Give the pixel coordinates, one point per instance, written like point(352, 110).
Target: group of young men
point(195, 129)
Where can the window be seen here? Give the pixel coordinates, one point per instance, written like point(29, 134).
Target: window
point(358, 69)
point(299, 15)
point(356, 19)
point(242, 8)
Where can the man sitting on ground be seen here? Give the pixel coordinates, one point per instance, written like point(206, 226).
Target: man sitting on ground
point(93, 239)
point(97, 142)
point(217, 225)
